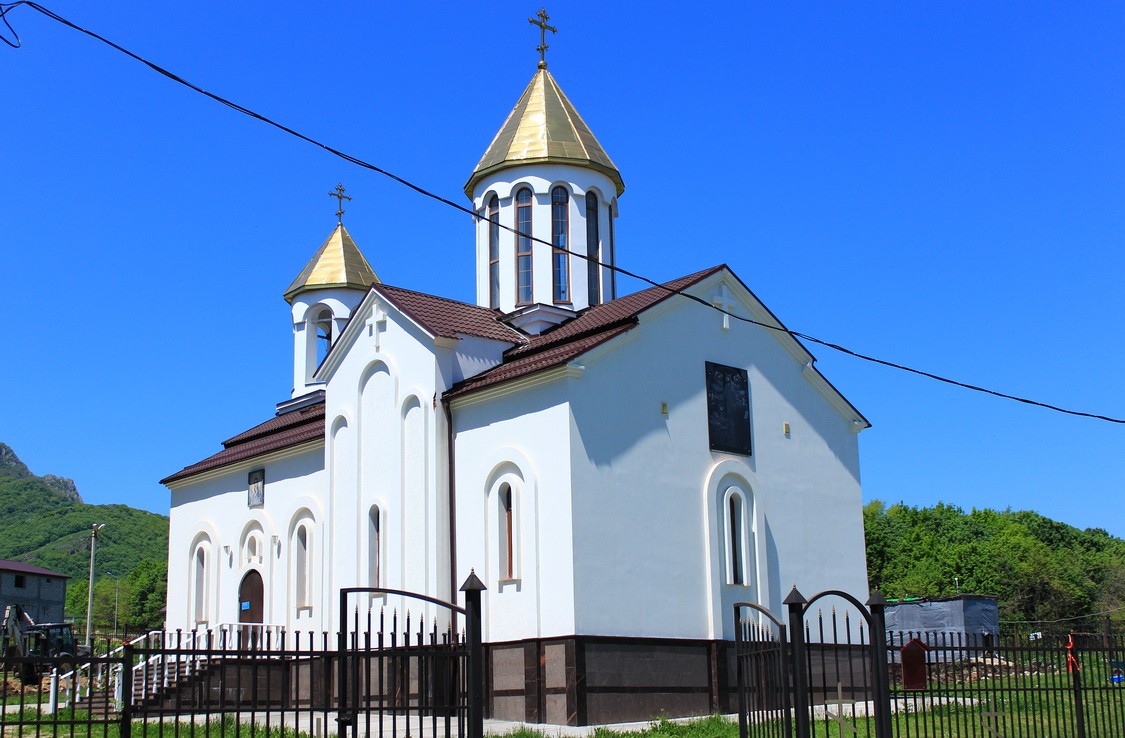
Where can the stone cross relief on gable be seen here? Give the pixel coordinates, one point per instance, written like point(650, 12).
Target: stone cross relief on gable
point(377, 324)
point(723, 301)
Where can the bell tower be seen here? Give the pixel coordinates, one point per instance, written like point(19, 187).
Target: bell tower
point(323, 297)
point(546, 192)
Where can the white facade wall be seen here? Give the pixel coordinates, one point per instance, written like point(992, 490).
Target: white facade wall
point(633, 529)
point(211, 510)
point(649, 495)
point(519, 439)
point(389, 448)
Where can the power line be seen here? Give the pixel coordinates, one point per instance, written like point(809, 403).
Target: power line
point(1103, 613)
point(5, 8)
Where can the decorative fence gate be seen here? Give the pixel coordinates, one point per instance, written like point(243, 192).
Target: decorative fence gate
point(431, 684)
point(841, 674)
point(386, 673)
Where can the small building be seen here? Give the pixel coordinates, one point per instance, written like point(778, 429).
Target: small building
point(41, 592)
point(968, 620)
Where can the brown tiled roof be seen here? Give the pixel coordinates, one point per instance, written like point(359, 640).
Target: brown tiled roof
point(290, 429)
point(21, 568)
point(600, 317)
point(525, 365)
point(449, 318)
point(575, 337)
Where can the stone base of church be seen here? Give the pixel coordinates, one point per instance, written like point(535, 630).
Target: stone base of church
point(589, 680)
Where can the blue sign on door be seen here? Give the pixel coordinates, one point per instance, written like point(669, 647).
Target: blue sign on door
point(245, 605)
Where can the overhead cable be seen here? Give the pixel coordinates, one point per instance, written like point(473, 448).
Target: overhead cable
point(5, 8)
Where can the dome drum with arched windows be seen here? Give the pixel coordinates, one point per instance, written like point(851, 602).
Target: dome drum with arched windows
point(546, 177)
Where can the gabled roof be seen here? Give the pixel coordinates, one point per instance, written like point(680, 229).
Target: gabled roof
point(608, 314)
point(544, 126)
point(445, 318)
point(289, 429)
point(337, 263)
point(21, 568)
point(593, 327)
point(600, 323)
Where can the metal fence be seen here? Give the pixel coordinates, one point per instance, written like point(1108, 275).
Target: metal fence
point(835, 671)
point(386, 673)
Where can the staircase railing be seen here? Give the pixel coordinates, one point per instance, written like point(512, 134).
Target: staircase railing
point(83, 678)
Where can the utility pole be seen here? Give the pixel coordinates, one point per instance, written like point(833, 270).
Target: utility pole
point(94, 528)
point(116, 590)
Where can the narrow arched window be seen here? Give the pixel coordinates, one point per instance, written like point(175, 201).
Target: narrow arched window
point(593, 249)
point(560, 204)
point(374, 546)
point(323, 335)
point(507, 532)
point(301, 566)
point(523, 247)
point(494, 252)
point(199, 577)
point(737, 575)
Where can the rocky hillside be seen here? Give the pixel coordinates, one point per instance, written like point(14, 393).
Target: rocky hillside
point(43, 521)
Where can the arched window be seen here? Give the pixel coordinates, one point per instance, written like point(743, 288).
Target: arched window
point(301, 565)
point(523, 247)
point(252, 549)
point(560, 204)
point(593, 249)
point(374, 547)
point(505, 526)
point(323, 334)
point(739, 554)
point(199, 585)
point(494, 252)
point(737, 576)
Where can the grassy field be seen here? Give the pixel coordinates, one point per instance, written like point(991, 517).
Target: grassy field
point(79, 724)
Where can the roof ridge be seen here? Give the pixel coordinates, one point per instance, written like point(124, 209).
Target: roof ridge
point(439, 297)
point(301, 416)
point(532, 348)
point(567, 106)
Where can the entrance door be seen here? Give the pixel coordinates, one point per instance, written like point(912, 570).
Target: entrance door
point(251, 610)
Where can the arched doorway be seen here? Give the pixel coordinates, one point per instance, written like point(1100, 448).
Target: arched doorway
point(251, 609)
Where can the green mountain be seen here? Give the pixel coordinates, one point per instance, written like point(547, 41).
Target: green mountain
point(43, 521)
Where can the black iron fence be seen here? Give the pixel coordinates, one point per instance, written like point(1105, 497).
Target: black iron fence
point(386, 673)
point(835, 671)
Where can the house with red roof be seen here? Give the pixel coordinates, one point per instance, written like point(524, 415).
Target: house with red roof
point(617, 469)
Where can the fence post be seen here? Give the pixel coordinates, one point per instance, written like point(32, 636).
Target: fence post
point(1076, 683)
point(796, 604)
point(740, 673)
point(343, 719)
point(126, 671)
point(53, 695)
point(877, 604)
point(472, 588)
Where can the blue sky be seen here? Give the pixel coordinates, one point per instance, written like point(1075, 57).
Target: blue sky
point(941, 185)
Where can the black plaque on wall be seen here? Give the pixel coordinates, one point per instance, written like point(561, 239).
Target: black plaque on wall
point(728, 409)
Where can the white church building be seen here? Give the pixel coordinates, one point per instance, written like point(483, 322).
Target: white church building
point(618, 470)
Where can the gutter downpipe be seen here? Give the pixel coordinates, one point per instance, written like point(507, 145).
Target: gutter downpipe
point(452, 467)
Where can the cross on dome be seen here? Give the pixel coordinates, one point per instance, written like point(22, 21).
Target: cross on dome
point(543, 28)
point(340, 196)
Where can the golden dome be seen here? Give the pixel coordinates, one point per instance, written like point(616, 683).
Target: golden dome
point(337, 263)
point(544, 127)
